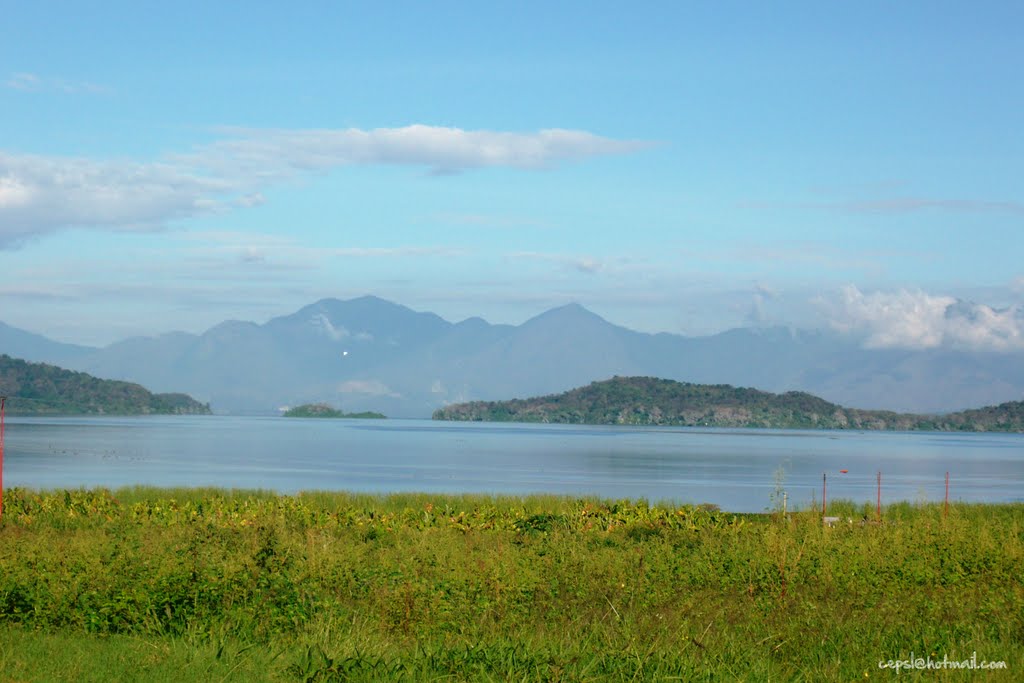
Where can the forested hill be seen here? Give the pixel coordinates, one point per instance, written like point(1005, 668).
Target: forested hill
point(651, 401)
point(327, 411)
point(40, 389)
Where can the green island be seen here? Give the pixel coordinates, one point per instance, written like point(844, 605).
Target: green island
point(41, 389)
point(324, 410)
point(652, 401)
point(200, 584)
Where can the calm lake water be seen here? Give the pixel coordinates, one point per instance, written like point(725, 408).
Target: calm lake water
point(736, 469)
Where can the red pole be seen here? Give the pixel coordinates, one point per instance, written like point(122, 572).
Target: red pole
point(3, 412)
point(823, 494)
point(879, 508)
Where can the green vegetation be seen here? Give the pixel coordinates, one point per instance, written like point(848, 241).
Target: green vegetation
point(324, 410)
point(651, 401)
point(40, 389)
point(145, 584)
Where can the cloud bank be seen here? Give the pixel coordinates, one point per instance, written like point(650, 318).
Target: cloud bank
point(917, 320)
point(897, 205)
point(40, 194)
point(29, 82)
point(908, 204)
point(580, 264)
point(258, 153)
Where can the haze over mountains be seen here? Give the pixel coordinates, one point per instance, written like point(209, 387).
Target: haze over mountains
point(371, 354)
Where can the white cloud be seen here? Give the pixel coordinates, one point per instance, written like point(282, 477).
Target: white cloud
point(897, 205)
point(489, 221)
point(323, 323)
point(908, 204)
point(251, 199)
point(41, 194)
point(371, 387)
point(252, 255)
point(269, 153)
point(29, 82)
point(917, 320)
point(384, 252)
point(756, 314)
point(581, 264)
point(217, 253)
point(23, 81)
point(14, 193)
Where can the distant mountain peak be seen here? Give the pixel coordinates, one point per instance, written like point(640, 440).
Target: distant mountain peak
point(572, 313)
point(232, 325)
point(365, 301)
point(370, 298)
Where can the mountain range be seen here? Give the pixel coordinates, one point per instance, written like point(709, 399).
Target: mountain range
point(372, 354)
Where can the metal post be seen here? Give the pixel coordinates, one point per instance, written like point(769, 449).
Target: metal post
point(945, 505)
point(823, 488)
point(878, 510)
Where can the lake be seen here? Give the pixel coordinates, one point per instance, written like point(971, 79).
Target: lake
point(735, 469)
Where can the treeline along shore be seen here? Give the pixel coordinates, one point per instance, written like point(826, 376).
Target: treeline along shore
point(652, 401)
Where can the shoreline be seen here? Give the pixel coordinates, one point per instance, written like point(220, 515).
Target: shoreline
point(140, 492)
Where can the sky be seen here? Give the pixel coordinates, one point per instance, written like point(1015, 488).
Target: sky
point(683, 167)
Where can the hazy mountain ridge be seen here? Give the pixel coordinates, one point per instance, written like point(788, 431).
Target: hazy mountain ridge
point(653, 401)
point(371, 354)
point(42, 389)
point(37, 348)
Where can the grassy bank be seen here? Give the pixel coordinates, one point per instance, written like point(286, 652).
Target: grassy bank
point(146, 584)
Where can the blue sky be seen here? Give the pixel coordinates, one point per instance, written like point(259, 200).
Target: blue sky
point(681, 167)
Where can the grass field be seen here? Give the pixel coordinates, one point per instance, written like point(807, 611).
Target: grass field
point(156, 584)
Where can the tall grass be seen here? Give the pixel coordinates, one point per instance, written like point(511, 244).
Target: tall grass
point(327, 586)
